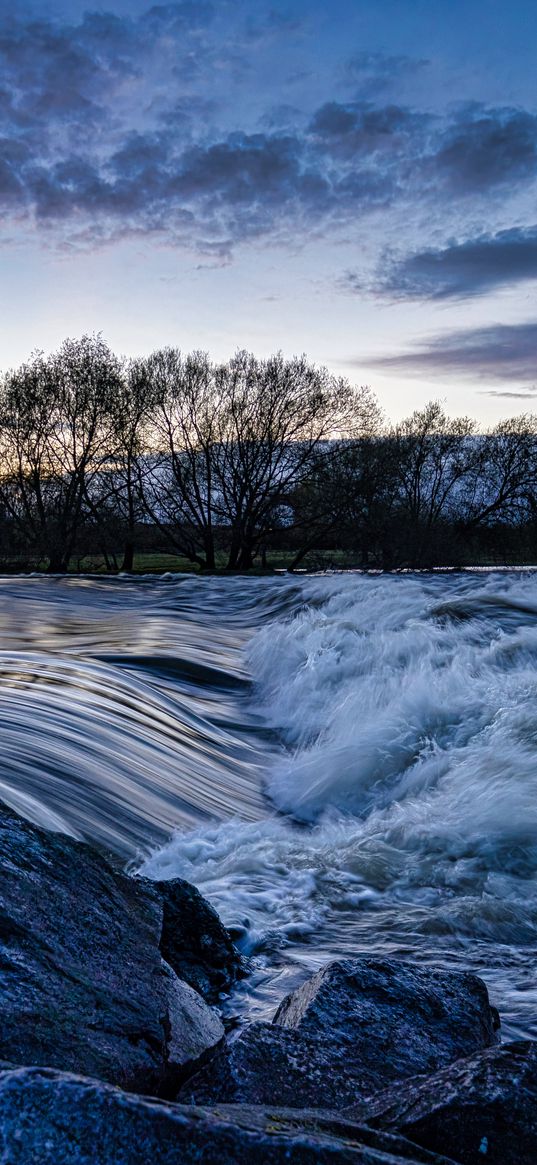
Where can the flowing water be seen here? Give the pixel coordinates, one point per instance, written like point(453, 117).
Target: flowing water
point(341, 763)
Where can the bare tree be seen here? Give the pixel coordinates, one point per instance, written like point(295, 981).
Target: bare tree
point(281, 418)
point(433, 455)
point(504, 482)
point(26, 432)
point(186, 416)
point(233, 441)
point(55, 433)
point(119, 490)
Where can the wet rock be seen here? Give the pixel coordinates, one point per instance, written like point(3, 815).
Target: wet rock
point(269, 1065)
point(479, 1110)
point(195, 942)
point(348, 1031)
point(397, 1018)
point(50, 1118)
point(83, 984)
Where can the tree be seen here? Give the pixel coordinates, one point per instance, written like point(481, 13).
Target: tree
point(55, 437)
point(233, 442)
point(27, 407)
point(123, 485)
point(433, 456)
point(282, 419)
point(346, 498)
point(504, 482)
point(186, 415)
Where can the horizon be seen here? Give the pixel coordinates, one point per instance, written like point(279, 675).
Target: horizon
point(357, 185)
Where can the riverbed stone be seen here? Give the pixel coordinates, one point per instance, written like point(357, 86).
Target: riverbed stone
point(398, 1018)
point(51, 1118)
point(271, 1065)
point(195, 942)
point(83, 984)
point(482, 1109)
point(348, 1032)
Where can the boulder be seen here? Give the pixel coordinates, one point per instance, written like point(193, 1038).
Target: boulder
point(483, 1109)
point(195, 942)
point(348, 1031)
point(271, 1065)
point(83, 984)
point(397, 1018)
point(51, 1118)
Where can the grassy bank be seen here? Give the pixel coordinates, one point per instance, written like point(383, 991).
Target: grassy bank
point(277, 560)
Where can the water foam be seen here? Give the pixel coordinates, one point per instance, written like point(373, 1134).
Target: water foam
point(407, 708)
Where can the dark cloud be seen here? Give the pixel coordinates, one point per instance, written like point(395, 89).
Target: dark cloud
point(351, 129)
point(501, 352)
point(486, 148)
point(57, 73)
point(240, 187)
point(54, 73)
point(460, 270)
point(108, 129)
point(529, 395)
point(211, 193)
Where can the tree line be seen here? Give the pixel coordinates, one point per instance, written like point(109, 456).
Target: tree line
point(224, 463)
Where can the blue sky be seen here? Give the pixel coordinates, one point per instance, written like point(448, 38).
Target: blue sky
point(355, 180)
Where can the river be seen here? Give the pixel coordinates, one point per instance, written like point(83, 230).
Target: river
point(342, 763)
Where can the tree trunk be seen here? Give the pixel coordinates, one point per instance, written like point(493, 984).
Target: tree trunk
point(128, 555)
point(57, 563)
point(234, 552)
point(299, 557)
point(246, 558)
point(210, 559)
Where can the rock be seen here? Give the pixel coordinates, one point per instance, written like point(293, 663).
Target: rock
point(51, 1118)
point(83, 985)
point(397, 1018)
point(479, 1110)
point(348, 1031)
point(270, 1065)
point(195, 942)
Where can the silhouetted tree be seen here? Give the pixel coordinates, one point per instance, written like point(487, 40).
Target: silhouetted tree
point(432, 457)
point(283, 418)
point(55, 434)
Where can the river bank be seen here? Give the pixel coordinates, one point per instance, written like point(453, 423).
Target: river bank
point(112, 1049)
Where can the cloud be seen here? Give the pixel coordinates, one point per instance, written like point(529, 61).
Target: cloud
point(107, 130)
point(485, 148)
point(528, 395)
point(350, 130)
point(57, 73)
point(372, 72)
point(501, 352)
point(459, 270)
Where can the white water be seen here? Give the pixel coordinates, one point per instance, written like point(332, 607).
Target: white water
point(374, 789)
point(408, 706)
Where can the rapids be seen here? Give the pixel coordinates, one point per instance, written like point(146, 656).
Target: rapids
point(341, 763)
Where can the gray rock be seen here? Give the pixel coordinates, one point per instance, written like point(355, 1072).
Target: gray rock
point(479, 1110)
point(50, 1118)
point(271, 1065)
point(399, 1019)
point(348, 1031)
point(195, 942)
point(83, 985)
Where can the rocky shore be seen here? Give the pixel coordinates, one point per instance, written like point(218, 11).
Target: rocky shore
point(113, 1052)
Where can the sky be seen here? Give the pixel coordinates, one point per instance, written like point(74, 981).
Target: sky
point(353, 179)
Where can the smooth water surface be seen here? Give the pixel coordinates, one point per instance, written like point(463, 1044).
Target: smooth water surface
point(349, 762)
